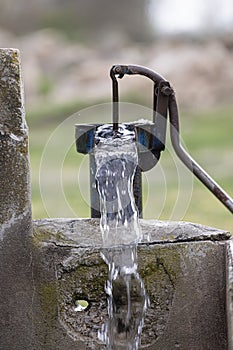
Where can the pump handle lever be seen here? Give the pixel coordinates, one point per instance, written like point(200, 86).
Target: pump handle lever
point(190, 163)
point(163, 89)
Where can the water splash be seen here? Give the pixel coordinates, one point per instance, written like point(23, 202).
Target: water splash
point(116, 162)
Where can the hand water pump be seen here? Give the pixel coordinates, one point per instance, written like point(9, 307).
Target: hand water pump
point(150, 137)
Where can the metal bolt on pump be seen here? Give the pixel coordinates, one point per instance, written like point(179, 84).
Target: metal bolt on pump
point(150, 137)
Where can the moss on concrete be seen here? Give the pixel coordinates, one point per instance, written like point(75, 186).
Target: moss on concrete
point(83, 278)
point(48, 300)
point(42, 236)
point(163, 257)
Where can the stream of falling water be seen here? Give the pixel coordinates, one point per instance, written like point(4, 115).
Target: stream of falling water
point(116, 162)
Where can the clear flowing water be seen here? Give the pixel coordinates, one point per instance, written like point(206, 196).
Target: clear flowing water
point(116, 162)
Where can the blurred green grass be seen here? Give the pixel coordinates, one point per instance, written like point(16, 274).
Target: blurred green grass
point(207, 136)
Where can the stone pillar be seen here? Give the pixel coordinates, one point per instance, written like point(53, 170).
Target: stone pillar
point(16, 289)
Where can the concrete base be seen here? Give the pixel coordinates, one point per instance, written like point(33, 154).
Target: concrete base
point(182, 266)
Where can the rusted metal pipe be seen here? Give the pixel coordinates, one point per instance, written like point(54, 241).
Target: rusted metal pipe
point(121, 70)
point(188, 160)
point(115, 100)
point(161, 93)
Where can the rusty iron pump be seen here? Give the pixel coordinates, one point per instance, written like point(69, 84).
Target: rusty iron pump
point(150, 137)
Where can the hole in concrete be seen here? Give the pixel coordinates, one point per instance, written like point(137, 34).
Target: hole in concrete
point(81, 304)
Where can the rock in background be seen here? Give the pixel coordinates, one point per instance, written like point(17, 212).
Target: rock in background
point(59, 71)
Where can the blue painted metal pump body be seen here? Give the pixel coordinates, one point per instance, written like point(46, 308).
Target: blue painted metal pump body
point(148, 146)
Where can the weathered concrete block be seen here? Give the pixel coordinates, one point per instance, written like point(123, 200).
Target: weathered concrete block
point(229, 294)
point(16, 291)
point(182, 266)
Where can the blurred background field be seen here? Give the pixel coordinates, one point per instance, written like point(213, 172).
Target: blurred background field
point(67, 49)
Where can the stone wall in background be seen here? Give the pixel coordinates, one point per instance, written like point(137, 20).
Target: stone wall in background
point(82, 19)
point(200, 72)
